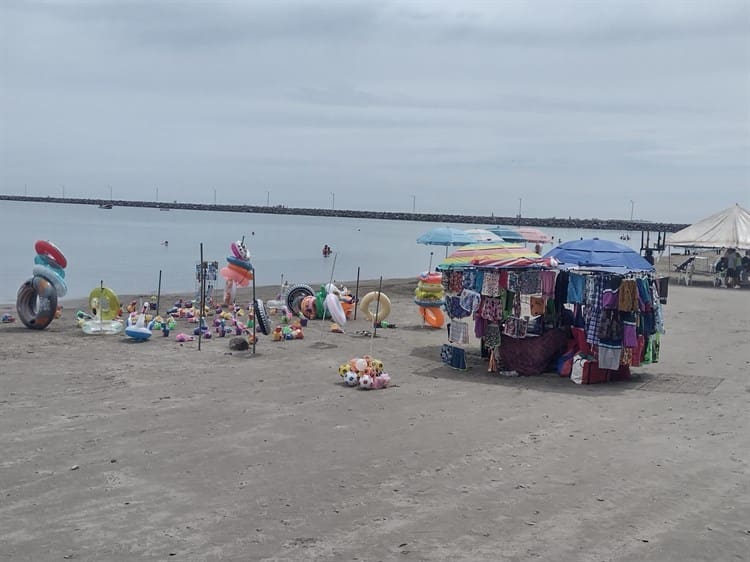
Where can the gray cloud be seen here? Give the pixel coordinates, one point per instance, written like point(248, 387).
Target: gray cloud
point(578, 107)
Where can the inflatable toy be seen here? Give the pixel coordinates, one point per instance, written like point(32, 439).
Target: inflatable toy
point(369, 303)
point(104, 303)
point(351, 378)
point(432, 316)
point(46, 261)
point(308, 307)
point(244, 264)
point(242, 279)
point(333, 304)
point(53, 277)
point(49, 250)
point(381, 380)
point(261, 314)
point(138, 331)
point(239, 250)
point(36, 303)
point(102, 327)
point(365, 382)
point(294, 297)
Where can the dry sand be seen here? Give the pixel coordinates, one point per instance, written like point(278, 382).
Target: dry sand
point(212, 455)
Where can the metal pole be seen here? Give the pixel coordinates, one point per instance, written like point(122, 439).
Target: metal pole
point(158, 295)
point(356, 295)
point(377, 311)
point(203, 297)
point(255, 312)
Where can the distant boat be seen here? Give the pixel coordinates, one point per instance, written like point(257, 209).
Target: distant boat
point(105, 205)
point(164, 209)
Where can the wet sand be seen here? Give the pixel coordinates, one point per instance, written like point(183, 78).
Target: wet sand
point(194, 455)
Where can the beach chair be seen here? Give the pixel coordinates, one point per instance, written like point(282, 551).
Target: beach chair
point(685, 271)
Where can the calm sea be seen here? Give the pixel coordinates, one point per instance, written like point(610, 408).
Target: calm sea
point(123, 246)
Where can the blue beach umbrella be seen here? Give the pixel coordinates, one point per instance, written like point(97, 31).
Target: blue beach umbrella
point(598, 254)
point(445, 236)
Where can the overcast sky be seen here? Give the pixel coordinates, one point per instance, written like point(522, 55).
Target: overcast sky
point(575, 108)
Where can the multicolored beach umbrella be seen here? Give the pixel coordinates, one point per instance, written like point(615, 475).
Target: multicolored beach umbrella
point(497, 252)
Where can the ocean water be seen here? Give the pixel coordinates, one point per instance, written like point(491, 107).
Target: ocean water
point(123, 247)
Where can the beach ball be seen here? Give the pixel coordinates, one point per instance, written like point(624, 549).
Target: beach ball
point(351, 379)
point(343, 369)
point(377, 366)
point(360, 364)
point(365, 381)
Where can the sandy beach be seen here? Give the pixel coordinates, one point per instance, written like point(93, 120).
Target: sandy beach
point(117, 450)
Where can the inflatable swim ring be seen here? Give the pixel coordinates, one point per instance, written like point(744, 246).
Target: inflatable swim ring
point(36, 303)
point(431, 278)
point(232, 275)
point(432, 316)
point(51, 275)
point(429, 303)
point(261, 317)
point(102, 327)
point(369, 302)
point(429, 287)
point(243, 264)
point(47, 248)
point(40, 259)
point(104, 303)
point(246, 273)
point(333, 304)
point(426, 295)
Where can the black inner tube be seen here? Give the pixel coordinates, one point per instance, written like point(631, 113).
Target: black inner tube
point(36, 303)
point(295, 295)
point(261, 317)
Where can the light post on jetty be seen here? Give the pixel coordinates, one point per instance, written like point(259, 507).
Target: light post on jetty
point(214, 197)
point(632, 204)
point(333, 200)
point(520, 203)
point(268, 198)
point(63, 190)
point(413, 203)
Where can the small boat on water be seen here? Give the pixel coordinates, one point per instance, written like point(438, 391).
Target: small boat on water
point(105, 205)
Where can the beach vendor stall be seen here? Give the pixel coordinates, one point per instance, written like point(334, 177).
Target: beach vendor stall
point(613, 294)
point(488, 296)
point(531, 314)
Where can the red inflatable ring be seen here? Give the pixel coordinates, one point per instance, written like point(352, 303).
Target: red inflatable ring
point(47, 248)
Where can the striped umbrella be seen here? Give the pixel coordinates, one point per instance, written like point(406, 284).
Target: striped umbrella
point(467, 255)
point(510, 263)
